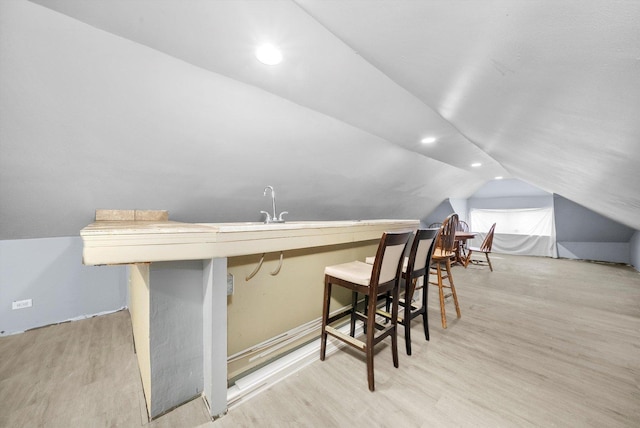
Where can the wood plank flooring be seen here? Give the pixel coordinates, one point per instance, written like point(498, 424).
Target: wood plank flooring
point(79, 374)
point(541, 342)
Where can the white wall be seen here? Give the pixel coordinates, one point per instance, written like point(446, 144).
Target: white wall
point(50, 272)
point(461, 207)
point(91, 120)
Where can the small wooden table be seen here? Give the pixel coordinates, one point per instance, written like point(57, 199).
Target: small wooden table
point(461, 239)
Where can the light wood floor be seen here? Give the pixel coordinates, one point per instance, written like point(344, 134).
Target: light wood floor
point(541, 342)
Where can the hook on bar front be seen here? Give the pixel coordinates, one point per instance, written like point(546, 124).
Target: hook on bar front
point(255, 271)
point(257, 268)
point(275, 272)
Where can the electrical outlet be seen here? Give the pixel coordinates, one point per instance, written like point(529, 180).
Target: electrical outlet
point(229, 284)
point(21, 304)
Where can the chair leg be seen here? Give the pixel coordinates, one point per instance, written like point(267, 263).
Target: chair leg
point(325, 318)
point(453, 288)
point(489, 261)
point(443, 314)
point(468, 258)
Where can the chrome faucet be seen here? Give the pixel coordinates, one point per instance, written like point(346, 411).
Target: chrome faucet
point(275, 218)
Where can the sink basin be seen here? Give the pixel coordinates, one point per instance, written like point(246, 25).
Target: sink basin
point(290, 225)
point(259, 226)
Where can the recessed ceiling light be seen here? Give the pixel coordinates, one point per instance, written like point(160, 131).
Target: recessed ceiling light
point(498, 177)
point(476, 164)
point(268, 54)
point(428, 140)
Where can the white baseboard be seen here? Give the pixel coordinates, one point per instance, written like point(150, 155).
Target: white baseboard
point(267, 376)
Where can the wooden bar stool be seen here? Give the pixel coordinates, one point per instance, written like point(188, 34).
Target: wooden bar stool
point(441, 263)
point(415, 273)
point(416, 277)
point(372, 280)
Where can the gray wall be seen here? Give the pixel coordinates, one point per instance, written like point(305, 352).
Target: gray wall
point(634, 250)
point(50, 272)
point(438, 214)
point(584, 234)
point(580, 232)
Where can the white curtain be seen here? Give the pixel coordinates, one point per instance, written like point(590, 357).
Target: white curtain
point(528, 231)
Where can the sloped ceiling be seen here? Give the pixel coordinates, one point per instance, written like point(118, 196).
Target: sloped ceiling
point(161, 104)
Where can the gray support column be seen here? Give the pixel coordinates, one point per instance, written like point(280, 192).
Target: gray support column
point(214, 329)
point(175, 333)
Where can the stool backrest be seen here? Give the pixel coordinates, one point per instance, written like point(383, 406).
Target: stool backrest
point(447, 236)
point(421, 250)
point(387, 265)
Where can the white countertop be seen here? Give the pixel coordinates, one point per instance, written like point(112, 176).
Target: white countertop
point(124, 242)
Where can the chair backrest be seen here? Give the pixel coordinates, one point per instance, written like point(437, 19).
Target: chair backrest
point(488, 240)
point(435, 225)
point(420, 253)
point(462, 226)
point(387, 266)
point(447, 235)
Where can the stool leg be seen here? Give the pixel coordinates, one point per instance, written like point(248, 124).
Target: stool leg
point(325, 317)
point(425, 299)
point(387, 305)
point(366, 312)
point(410, 284)
point(354, 303)
point(407, 324)
point(453, 288)
point(394, 323)
point(443, 314)
point(371, 328)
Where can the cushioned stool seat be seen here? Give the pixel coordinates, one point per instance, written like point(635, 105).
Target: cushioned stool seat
point(357, 272)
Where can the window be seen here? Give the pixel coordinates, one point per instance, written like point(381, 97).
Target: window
point(528, 221)
point(526, 231)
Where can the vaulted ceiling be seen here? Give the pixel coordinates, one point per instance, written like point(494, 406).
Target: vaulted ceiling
point(162, 104)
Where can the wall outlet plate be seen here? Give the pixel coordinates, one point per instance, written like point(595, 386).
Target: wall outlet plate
point(21, 304)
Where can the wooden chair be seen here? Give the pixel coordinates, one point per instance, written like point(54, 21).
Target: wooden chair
point(415, 273)
point(485, 248)
point(441, 263)
point(435, 225)
point(371, 280)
